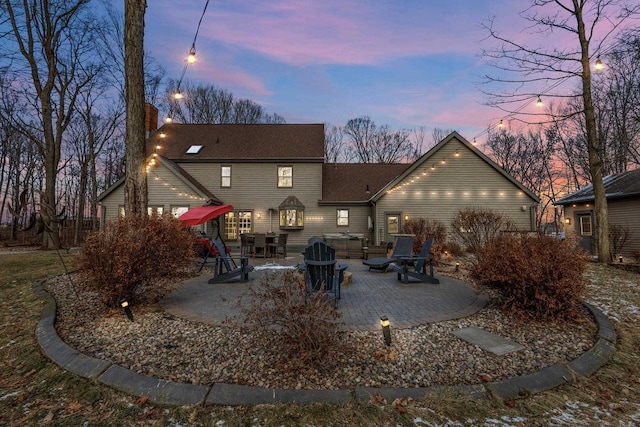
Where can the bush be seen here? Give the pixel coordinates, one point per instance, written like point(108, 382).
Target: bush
point(133, 252)
point(425, 229)
point(475, 227)
point(618, 236)
point(301, 327)
point(539, 277)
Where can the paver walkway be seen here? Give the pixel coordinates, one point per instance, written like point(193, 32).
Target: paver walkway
point(369, 296)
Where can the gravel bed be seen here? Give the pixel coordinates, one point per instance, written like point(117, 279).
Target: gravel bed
point(161, 345)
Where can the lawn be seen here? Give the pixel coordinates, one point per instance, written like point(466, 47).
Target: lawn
point(35, 391)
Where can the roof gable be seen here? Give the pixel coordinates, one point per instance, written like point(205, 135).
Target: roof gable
point(616, 186)
point(180, 173)
point(432, 155)
point(239, 142)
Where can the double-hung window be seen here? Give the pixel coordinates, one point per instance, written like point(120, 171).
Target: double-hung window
point(342, 217)
point(225, 176)
point(285, 176)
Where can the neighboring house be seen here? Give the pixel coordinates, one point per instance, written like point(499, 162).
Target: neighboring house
point(275, 177)
point(623, 202)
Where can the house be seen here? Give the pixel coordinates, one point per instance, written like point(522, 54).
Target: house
point(623, 201)
point(275, 177)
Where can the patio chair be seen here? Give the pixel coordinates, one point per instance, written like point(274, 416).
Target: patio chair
point(322, 270)
point(226, 266)
point(260, 245)
point(246, 244)
point(279, 245)
point(416, 267)
point(403, 247)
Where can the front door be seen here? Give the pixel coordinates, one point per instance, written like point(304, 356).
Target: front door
point(392, 227)
point(584, 228)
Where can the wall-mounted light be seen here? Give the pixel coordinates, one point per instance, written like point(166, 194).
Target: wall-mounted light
point(125, 304)
point(442, 161)
point(386, 331)
point(406, 217)
point(433, 167)
point(457, 153)
point(258, 215)
point(163, 135)
point(567, 221)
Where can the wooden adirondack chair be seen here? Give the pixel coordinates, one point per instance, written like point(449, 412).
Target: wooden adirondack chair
point(226, 267)
point(322, 270)
point(416, 267)
point(403, 248)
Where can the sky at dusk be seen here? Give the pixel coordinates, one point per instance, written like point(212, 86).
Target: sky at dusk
point(405, 64)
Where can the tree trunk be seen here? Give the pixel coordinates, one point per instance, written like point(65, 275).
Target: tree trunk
point(135, 187)
point(595, 158)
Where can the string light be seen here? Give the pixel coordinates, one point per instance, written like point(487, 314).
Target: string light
point(598, 65)
point(500, 125)
point(539, 102)
point(191, 59)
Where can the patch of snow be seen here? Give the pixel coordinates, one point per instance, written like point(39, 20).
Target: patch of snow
point(8, 395)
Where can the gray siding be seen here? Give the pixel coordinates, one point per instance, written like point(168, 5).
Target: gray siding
point(254, 187)
point(437, 191)
point(626, 212)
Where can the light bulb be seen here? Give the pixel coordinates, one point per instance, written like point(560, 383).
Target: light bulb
point(168, 119)
point(539, 102)
point(178, 95)
point(192, 57)
point(599, 65)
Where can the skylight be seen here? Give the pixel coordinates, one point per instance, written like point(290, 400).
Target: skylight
point(194, 149)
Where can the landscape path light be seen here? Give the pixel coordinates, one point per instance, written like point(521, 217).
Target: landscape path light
point(386, 331)
point(127, 309)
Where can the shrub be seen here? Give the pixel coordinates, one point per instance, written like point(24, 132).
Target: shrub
point(133, 252)
point(539, 277)
point(425, 229)
point(301, 327)
point(635, 254)
point(474, 227)
point(618, 236)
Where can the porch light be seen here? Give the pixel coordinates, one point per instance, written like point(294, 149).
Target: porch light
point(406, 217)
point(567, 221)
point(386, 331)
point(127, 309)
point(442, 161)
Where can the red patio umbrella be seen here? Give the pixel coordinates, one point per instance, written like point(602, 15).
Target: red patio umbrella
point(202, 214)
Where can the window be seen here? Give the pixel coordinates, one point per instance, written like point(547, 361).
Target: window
point(291, 213)
point(236, 223)
point(158, 210)
point(176, 211)
point(585, 225)
point(194, 149)
point(225, 176)
point(285, 176)
point(291, 218)
point(342, 217)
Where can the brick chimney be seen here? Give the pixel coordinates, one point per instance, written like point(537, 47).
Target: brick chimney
point(150, 119)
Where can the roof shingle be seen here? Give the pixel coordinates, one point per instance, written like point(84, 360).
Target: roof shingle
point(240, 142)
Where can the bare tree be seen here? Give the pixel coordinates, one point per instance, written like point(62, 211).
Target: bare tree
point(135, 185)
point(333, 144)
point(53, 43)
point(207, 104)
point(373, 144)
point(526, 69)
